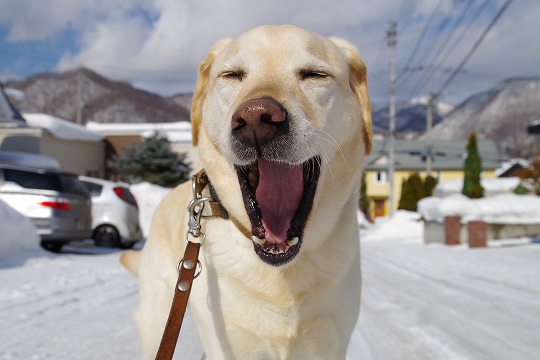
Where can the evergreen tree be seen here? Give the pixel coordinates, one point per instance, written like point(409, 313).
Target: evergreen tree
point(416, 187)
point(413, 189)
point(473, 169)
point(364, 201)
point(152, 161)
point(429, 185)
point(407, 200)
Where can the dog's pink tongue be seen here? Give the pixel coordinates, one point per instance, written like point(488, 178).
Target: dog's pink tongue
point(278, 194)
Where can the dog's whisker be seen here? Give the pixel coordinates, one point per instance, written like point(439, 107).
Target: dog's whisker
point(325, 157)
point(330, 139)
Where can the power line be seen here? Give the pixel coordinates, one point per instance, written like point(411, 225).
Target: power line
point(462, 34)
point(473, 49)
point(432, 68)
point(419, 41)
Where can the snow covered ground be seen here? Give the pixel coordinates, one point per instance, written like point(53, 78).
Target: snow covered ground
point(418, 301)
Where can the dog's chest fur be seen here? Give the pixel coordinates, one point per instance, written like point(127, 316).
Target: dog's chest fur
point(271, 313)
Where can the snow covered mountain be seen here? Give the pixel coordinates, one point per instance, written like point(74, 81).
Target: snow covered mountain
point(104, 100)
point(501, 114)
point(410, 116)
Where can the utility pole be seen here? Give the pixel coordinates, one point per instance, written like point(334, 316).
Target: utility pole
point(81, 81)
point(392, 41)
point(429, 125)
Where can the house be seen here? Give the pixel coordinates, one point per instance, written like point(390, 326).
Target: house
point(534, 127)
point(410, 157)
point(121, 136)
point(77, 150)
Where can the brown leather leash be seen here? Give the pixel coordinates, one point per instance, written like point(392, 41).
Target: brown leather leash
point(189, 267)
point(186, 276)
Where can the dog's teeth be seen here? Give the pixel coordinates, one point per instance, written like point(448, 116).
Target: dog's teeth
point(256, 240)
point(293, 241)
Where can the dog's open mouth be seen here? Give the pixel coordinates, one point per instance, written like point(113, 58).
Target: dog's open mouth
point(278, 198)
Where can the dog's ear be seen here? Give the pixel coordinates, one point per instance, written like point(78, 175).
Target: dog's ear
point(358, 83)
point(202, 87)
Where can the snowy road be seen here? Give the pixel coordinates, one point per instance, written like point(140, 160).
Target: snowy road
point(67, 306)
point(437, 302)
point(418, 302)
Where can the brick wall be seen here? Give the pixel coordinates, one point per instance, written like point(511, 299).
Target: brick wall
point(477, 234)
point(452, 226)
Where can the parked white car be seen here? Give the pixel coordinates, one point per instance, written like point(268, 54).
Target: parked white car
point(56, 203)
point(115, 214)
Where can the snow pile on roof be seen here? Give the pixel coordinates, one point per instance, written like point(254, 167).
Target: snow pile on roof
point(499, 209)
point(507, 165)
point(179, 131)
point(60, 128)
point(491, 186)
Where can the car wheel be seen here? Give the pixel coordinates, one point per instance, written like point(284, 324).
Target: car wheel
point(106, 236)
point(52, 246)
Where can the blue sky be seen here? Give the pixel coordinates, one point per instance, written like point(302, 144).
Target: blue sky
point(157, 44)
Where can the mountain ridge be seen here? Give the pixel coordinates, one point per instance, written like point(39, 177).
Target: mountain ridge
point(500, 113)
point(104, 100)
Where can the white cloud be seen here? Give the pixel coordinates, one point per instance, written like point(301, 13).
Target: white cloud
point(156, 44)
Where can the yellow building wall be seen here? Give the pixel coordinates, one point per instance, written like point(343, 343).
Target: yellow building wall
point(380, 190)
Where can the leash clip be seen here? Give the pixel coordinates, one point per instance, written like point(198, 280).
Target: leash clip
point(195, 209)
point(196, 206)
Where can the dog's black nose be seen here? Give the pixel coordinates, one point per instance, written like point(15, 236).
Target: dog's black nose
point(258, 121)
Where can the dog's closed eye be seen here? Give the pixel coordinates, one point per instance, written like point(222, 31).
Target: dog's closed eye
point(309, 74)
point(233, 75)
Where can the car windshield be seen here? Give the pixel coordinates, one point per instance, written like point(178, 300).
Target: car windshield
point(33, 180)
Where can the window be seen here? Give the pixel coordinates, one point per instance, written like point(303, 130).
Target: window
point(72, 185)
point(380, 177)
point(94, 189)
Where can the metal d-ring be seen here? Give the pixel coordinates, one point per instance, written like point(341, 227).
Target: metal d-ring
point(188, 265)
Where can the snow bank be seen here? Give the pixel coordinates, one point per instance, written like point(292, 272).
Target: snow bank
point(148, 197)
point(19, 240)
point(499, 209)
point(491, 186)
point(403, 226)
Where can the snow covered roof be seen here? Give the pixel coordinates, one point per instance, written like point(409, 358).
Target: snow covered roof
point(534, 127)
point(179, 131)
point(447, 155)
point(62, 129)
point(491, 186)
point(508, 165)
point(499, 209)
point(137, 128)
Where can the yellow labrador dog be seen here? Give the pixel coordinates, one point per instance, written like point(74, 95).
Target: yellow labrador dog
point(281, 117)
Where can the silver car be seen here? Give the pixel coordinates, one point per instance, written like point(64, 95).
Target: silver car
point(56, 203)
point(115, 213)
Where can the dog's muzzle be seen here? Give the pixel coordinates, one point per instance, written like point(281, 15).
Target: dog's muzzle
point(278, 195)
